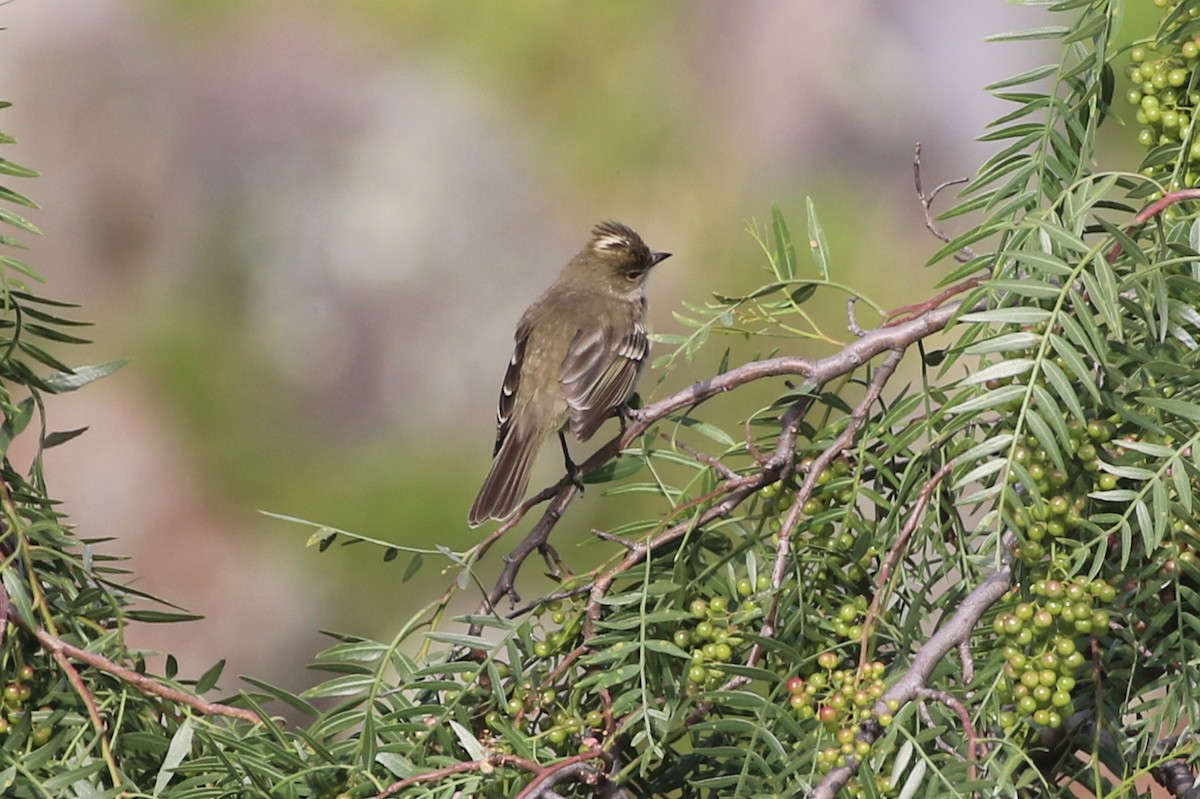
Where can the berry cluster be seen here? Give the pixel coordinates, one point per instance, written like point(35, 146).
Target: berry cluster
point(565, 627)
point(1166, 95)
point(712, 638)
point(842, 699)
point(1061, 500)
point(541, 707)
point(17, 696)
point(1042, 658)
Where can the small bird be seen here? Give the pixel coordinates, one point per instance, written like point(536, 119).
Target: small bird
point(579, 349)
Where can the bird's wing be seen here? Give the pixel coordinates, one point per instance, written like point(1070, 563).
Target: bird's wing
point(599, 372)
point(508, 389)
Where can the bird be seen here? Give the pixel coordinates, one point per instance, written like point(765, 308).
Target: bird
point(579, 349)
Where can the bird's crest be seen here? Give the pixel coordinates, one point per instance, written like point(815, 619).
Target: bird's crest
point(609, 236)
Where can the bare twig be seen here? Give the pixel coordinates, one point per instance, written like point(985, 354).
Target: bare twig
point(857, 419)
point(964, 254)
point(964, 718)
point(708, 460)
point(968, 662)
point(572, 768)
point(912, 311)
point(1149, 212)
point(616, 539)
point(485, 764)
point(853, 325)
point(893, 558)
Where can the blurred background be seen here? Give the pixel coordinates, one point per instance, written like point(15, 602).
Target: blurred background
point(313, 226)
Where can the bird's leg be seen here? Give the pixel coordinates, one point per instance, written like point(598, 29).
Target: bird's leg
point(628, 410)
point(572, 468)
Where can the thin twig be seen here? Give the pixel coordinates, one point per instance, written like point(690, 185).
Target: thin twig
point(708, 460)
point(853, 325)
point(965, 253)
point(1149, 212)
point(964, 718)
point(575, 767)
point(56, 646)
point(858, 418)
point(888, 566)
point(485, 764)
point(93, 712)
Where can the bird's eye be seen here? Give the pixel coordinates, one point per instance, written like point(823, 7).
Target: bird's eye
point(633, 274)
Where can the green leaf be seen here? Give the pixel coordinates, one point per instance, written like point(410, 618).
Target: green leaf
point(816, 240)
point(667, 648)
point(17, 595)
point(1062, 387)
point(1026, 288)
point(414, 566)
point(160, 616)
point(43, 357)
point(1000, 371)
point(80, 376)
point(348, 685)
point(1011, 316)
point(179, 748)
point(1029, 76)
point(16, 198)
point(614, 470)
point(16, 170)
point(785, 253)
point(208, 680)
point(708, 430)
point(1180, 408)
point(19, 222)
point(990, 399)
point(20, 266)
point(474, 749)
point(1008, 342)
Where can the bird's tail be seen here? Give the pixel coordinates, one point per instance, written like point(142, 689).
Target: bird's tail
point(506, 483)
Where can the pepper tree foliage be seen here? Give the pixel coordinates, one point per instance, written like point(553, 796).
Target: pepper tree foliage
point(984, 582)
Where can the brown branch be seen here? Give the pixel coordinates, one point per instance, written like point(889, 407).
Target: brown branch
point(575, 767)
point(546, 777)
point(1149, 212)
point(964, 718)
point(59, 648)
point(893, 558)
point(93, 712)
point(920, 308)
point(858, 418)
point(955, 630)
point(708, 460)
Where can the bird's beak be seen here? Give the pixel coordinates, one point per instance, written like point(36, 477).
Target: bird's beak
point(655, 257)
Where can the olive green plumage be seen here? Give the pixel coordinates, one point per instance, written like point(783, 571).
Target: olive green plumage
point(579, 349)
